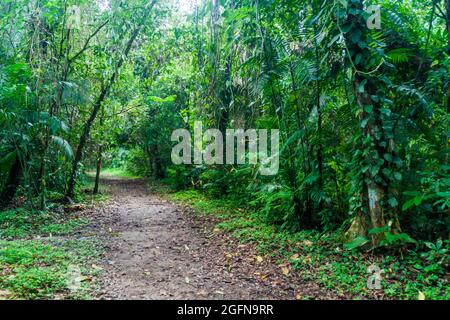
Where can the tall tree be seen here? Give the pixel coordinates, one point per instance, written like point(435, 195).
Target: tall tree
point(105, 91)
point(365, 64)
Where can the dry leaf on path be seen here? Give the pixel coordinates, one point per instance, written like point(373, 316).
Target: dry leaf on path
point(307, 243)
point(295, 257)
point(285, 270)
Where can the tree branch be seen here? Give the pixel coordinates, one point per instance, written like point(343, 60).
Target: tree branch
point(86, 44)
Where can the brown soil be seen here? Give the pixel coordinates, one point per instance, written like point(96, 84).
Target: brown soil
point(158, 250)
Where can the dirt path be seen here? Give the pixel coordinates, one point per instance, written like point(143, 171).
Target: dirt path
point(155, 250)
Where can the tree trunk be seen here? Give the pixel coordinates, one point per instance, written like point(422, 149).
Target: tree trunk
point(102, 97)
point(319, 109)
point(85, 136)
point(365, 86)
point(41, 178)
point(11, 185)
point(156, 165)
point(447, 5)
point(99, 169)
point(375, 191)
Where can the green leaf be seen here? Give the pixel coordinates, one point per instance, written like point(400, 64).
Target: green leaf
point(400, 55)
point(388, 157)
point(397, 239)
point(379, 230)
point(55, 125)
point(163, 100)
point(439, 244)
point(356, 243)
point(361, 86)
point(364, 122)
point(7, 161)
point(374, 170)
point(64, 145)
point(429, 245)
point(412, 202)
point(368, 108)
point(358, 58)
point(393, 202)
point(444, 194)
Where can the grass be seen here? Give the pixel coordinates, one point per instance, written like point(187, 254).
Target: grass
point(40, 258)
point(86, 197)
point(115, 173)
point(42, 269)
point(22, 223)
point(321, 257)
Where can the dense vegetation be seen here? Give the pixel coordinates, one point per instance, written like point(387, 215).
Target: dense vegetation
point(362, 113)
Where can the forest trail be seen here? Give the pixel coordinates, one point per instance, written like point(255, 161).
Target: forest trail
point(154, 251)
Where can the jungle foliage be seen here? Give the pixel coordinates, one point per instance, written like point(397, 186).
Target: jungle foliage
point(362, 112)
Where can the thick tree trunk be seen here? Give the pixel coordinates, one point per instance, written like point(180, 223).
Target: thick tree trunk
point(375, 192)
point(156, 165)
point(365, 86)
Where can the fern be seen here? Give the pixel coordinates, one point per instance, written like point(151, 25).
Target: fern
point(64, 145)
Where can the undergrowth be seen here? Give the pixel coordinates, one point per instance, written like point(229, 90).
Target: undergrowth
point(41, 259)
point(320, 257)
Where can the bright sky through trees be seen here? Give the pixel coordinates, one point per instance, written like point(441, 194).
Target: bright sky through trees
point(186, 6)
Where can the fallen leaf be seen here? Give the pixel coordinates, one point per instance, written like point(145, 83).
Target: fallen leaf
point(307, 243)
point(307, 260)
point(202, 293)
point(295, 257)
point(187, 280)
point(216, 230)
point(421, 296)
point(259, 259)
point(285, 271)
point(4, 293)
point(298, 296)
